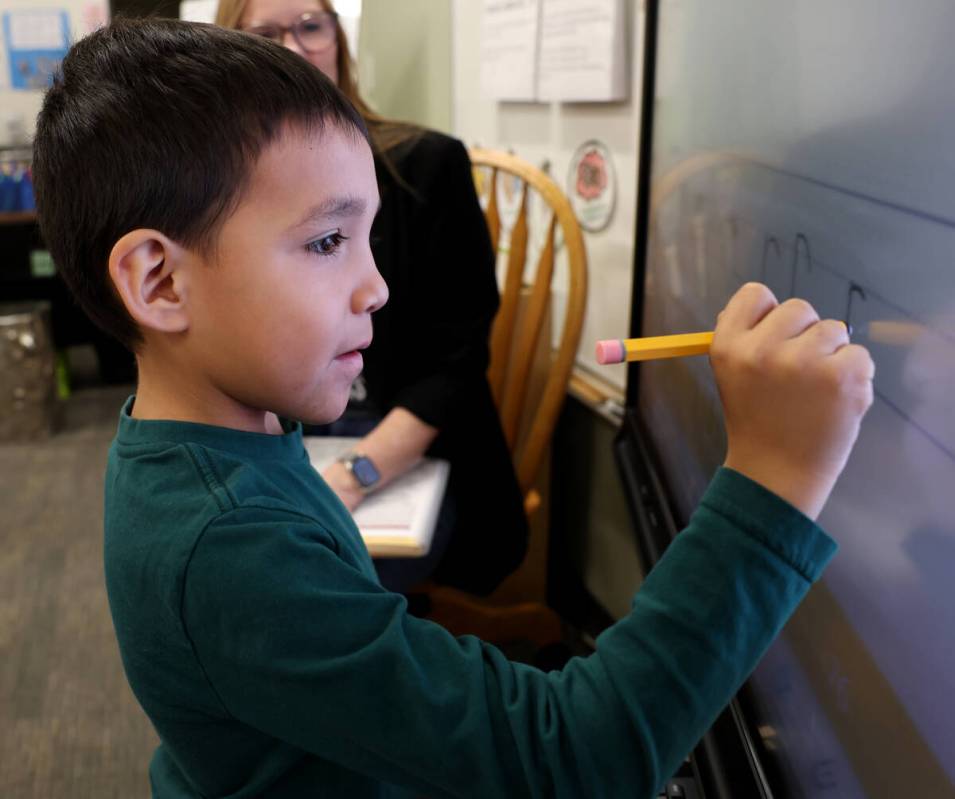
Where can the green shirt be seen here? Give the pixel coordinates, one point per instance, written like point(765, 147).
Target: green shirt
point(256, 637)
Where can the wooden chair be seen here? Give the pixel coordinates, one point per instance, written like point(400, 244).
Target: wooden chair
point(521, 348)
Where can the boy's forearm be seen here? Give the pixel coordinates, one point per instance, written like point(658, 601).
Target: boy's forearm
point(400, 700)
point(703, 619)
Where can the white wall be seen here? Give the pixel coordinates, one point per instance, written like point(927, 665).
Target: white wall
point(404, 60)
point(84, 15)
point(551, 132)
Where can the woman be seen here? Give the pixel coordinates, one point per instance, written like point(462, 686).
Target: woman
point(424, 388)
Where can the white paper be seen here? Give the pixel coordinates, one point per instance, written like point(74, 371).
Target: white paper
point(509, 38)
point(198, 10)
point(582, 51)
point(37, 30)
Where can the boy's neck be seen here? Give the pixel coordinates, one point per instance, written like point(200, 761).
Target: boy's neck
point(162, 397)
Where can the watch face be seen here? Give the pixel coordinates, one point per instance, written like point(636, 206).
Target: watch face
point(365, 472)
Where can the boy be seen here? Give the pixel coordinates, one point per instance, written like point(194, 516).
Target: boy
point(208, 196)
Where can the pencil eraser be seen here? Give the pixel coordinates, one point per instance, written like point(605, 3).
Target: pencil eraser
point(610, 351)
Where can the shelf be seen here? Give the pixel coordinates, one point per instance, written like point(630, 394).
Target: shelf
point(17, 217)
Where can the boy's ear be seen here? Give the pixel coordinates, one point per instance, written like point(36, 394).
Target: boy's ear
point(151, 276)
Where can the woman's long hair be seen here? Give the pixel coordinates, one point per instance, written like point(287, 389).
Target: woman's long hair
point(385, 133)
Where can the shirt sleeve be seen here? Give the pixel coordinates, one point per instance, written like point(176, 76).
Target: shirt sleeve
point(457, 294)
point(301, 645)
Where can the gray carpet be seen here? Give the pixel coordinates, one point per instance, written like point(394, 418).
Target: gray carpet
point(69, 725)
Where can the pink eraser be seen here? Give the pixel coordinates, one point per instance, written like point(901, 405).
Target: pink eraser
point(610, 351)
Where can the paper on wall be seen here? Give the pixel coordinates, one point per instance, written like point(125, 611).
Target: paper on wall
point(35, 42)
point(198, 10)
point(40, 29)
point(509, 39)
point(582, 51)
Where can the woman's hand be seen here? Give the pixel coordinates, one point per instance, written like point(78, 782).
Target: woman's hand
point(397, 443)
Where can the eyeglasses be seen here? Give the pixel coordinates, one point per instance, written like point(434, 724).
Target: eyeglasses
point(313, 32)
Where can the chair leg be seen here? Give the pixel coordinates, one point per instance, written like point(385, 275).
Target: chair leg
point(463, 614)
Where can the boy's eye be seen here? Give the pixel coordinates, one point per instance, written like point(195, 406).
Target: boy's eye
point(327, 244)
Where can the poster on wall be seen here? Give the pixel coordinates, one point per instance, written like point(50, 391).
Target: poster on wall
point(509, 37)
point(592, 185)
point(198, 10)
point(35, 41)
point(583, 54)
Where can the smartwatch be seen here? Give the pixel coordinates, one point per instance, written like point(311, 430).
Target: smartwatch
point(362, 468)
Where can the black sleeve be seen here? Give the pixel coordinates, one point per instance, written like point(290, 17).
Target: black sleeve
point(455, 296)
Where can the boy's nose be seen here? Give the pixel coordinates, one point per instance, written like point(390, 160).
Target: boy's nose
point(372, 294)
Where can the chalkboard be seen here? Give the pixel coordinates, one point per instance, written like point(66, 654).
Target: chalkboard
point(811, 145)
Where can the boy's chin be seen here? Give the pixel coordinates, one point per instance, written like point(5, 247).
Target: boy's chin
point(325, 415)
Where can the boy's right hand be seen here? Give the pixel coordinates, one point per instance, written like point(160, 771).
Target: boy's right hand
point(794, 391)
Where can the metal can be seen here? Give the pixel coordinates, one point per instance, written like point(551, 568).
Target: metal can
point(27, 372)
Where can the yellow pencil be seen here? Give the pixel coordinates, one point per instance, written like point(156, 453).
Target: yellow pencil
point(649, 348)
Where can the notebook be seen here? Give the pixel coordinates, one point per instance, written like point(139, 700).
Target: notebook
point(396, 521)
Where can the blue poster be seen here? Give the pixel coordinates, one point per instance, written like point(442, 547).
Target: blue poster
point(36, 41)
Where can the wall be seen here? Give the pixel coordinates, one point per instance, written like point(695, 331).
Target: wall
point(404, 60)
point(589, 509)
point(597, 534)
point(25, 105)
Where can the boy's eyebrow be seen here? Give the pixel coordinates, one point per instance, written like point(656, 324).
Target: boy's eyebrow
point(333, 208)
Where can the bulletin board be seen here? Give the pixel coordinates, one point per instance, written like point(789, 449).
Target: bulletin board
point(34, 36)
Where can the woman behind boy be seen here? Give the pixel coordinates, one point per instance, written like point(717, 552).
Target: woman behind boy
point(424, 388)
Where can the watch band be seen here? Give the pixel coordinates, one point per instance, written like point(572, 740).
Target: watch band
point(362, 468)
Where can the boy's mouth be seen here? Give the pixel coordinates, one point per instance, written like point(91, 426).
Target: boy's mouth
point(352, 352)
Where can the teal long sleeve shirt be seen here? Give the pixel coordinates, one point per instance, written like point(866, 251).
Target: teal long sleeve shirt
point(272, 664)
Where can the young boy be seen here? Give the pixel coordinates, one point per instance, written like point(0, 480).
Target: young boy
point(208, 197)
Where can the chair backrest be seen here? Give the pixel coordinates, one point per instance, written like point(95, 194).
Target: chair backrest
point(519, 324)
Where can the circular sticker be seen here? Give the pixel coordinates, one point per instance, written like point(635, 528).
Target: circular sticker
point(592, 185)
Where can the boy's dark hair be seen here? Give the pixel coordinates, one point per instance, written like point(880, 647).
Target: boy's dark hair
point(156, 123)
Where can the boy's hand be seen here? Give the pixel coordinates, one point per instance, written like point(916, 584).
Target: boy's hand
point(794, 391)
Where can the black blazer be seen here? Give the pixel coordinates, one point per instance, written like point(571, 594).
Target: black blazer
point(430, 350)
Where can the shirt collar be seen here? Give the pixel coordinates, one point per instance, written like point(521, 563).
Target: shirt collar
point(287, 446)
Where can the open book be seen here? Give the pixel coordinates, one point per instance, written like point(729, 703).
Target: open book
point(396, 521)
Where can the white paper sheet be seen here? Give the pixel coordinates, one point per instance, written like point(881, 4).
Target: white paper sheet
point(40, 29)
point(509, 37)
point(582, 51)
point(198, 10)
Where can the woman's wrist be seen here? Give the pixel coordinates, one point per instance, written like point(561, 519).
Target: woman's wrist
point(344, 484)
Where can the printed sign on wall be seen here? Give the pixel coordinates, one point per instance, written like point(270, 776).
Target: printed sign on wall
point(36, 41)
point(592, 185)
